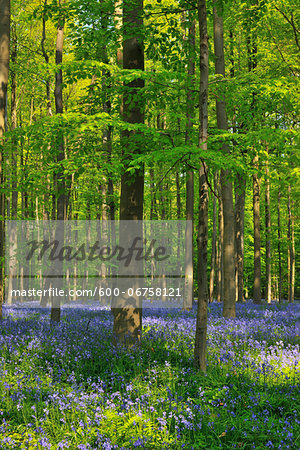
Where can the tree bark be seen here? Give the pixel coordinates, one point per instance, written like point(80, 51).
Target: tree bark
point(256, 226)
point(279, 246)
point(14, 184)
point(4, 68)
point(107, 133)
point(214, 243)
point(268, 237)
point(202, 237)
point(61, 203)
point(226, 185)
point(252, 63)
point(13, 169)
point(189, 272)
point(128, 319)
point(240, 195)
point(46, 57)
point(219, 259)
point(291, 250)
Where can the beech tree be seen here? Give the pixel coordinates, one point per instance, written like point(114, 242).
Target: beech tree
point(4, 68)
point(60, 196)
point(128, 319)
point(202, 237)
point(226, 184)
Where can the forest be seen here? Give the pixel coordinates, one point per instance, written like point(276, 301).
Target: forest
point(180, 116)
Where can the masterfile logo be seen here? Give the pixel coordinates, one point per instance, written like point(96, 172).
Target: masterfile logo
point(96, 260)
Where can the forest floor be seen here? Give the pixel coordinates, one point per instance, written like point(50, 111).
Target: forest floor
point(68, 387)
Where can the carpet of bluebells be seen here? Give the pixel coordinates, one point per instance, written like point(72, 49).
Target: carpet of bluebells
point(67, 387)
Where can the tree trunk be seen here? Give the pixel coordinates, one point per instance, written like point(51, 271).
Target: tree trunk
point(128, 319)
point(4, 68)
point(46, 196)
point(268, 237)
point(256, 226)
point(240, 194)
point(189, 271)
point(291, 251)
point(14, 184)
point(214, 243)
point(202, 237)
point(60, 188)
point(107, 133)
point(252, 63)
point(13, 172)
point(279, 247)
point(46, 57)
point(61, 213)
point(219, 260)
point(226, 185)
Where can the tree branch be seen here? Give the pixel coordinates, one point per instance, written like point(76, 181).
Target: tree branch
point(281, 54)
point(292, 23)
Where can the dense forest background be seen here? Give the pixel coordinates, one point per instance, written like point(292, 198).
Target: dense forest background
point(67, 125)
point(166, 110)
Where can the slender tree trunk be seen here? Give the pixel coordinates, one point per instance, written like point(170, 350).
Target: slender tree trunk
point(46, 57)
point(61, 203)
point(214, 243)
point(252, 63)
point(118, 26)
point(279, 247)
point(128, 319)
point(153, 209)
point(153, 216)
point(226, 185)
point(268, 237)
point(256, 226)
point(46, 196)
point(13, 172)
point(14, 184)
point(240, 194)
point(291, 251)
point(219, 260)
point(201, 324)
point(61, 200)
point(107, 133)
point(4, 68)
point(189, 271)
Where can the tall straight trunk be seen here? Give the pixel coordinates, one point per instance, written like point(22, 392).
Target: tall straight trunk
point(252, 63)
point(13, 172)
point(256, 226)
point(118, 26)
point(46, 196)
point(291, 250)
point(61, 203)
point(240, 195)
point(268, 237)
point(279, 246)
point(178, 196)
point(178, 217)
point(226, 185)
point(213, 243)
point(128, 319)
point(60, 188)
point(4, 68)
point(219, 260)
point(14, 184)
point(46, 58)
point(202, 237)
point(189, 271)
point(107, 133)
point(153, 208)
